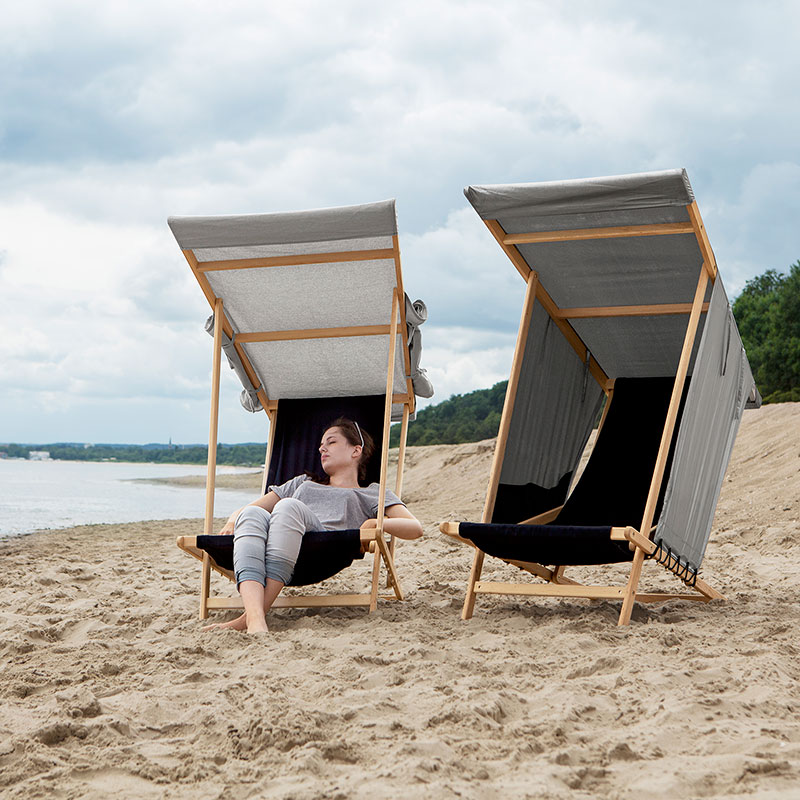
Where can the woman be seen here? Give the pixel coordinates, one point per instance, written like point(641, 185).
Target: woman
point(267, 534)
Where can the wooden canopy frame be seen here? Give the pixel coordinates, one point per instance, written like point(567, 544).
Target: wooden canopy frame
point(372, 540)
point(557, 584)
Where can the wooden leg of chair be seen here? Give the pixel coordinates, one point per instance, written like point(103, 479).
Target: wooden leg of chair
point(376, 574)
point(391, 550)
point(474, 575)
point(392, 579)
point(708, 591)
point(630, 591)
point(205, 580)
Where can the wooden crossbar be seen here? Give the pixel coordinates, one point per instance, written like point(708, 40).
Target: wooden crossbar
point(555, 575)
point(578, 590)
point(313, 333)
point(298, 260)
point(653, 310)
point(618, 232)
point(550, 589)
point(301, 601)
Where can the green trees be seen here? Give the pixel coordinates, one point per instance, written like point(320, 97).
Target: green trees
point(462, 418)
point(768, 315)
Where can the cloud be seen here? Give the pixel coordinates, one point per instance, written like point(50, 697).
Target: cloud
point(151, 109)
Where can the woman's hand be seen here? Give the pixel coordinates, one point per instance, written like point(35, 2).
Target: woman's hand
point(227, 528)
point(398, 521)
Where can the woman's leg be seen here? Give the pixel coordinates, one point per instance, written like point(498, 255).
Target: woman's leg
point(249, 547)
point(265, 551)
point(290, 519)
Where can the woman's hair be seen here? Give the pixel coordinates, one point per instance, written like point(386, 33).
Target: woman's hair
point(355, 435)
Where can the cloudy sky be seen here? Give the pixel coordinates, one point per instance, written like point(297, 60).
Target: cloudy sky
point(115, 115)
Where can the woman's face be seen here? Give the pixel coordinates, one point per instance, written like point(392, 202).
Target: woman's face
point(336, 452)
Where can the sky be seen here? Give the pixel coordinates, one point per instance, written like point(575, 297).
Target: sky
point(116, 115)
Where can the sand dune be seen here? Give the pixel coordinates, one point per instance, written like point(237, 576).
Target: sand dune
point(110, 688)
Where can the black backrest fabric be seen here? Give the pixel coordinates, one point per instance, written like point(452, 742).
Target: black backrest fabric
point(515, 503)
point(300, 426)
point(613, 488)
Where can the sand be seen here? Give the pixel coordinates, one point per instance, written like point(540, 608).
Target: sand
point(109, 687)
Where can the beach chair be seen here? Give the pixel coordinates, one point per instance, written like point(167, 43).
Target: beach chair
point(310, 311)
point(625, 319)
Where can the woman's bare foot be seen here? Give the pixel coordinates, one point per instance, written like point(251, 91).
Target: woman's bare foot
point(256, 623)
point(238, 624)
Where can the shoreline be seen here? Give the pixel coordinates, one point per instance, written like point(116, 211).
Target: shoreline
point(239, 480)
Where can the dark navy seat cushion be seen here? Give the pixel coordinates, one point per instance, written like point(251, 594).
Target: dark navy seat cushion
point(322, 554)
point(547, 544)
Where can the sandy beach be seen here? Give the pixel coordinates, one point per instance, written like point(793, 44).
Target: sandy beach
point(110, 687)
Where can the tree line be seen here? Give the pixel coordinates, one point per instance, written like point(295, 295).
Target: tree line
point(235, 455)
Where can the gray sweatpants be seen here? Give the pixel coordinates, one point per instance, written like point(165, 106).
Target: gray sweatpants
point(266, 545)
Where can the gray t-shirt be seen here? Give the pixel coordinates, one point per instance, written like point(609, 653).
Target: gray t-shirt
point(337, 509)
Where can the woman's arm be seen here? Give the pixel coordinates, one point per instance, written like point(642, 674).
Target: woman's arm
point(398, 521)
point(266, 502)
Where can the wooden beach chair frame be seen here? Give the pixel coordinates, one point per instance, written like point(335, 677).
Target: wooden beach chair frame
point(557, 583)
point(372, 540)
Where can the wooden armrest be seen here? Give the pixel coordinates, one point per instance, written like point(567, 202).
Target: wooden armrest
point(633, 538)
point(369, 535)
point(185, 542)
point(369, 539)
point(451, 529)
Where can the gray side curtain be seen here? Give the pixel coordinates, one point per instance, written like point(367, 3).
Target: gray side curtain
point(249, 394)
point(720, 387)
point(416, 315)
point(556, 406)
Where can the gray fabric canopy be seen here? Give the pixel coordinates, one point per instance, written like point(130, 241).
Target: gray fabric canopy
point(556, 405)
point(660, 196)
point(266, 270)
point(292, 228)
point(721, 386)
point(635, 270)
point(582, 270)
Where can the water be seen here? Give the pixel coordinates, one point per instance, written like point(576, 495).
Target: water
point(61, 494)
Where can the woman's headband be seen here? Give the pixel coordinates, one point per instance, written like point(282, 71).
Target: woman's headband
point(359, 432)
